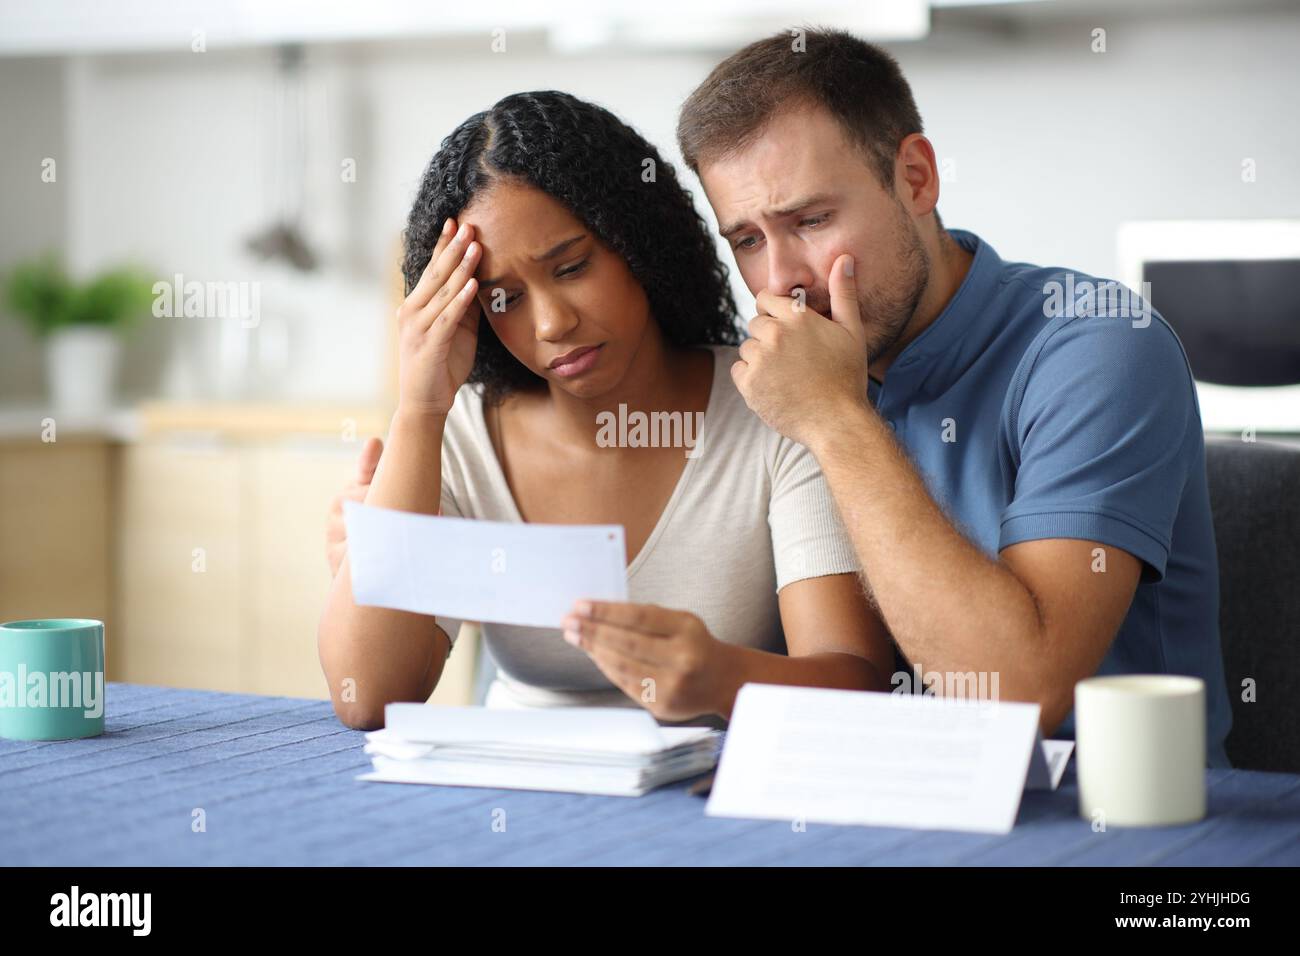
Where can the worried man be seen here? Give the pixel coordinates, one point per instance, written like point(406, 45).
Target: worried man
point(1021, 470)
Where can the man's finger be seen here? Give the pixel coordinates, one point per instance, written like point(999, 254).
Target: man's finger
point(844, 297)
point(760, 325)
point(739, 375)
point(777, 306)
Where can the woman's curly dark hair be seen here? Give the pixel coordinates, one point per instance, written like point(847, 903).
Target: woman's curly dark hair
point(591, 162)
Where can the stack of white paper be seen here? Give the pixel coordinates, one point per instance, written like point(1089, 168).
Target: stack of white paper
point(614, 751)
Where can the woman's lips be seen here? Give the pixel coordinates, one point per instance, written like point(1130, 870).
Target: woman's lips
point(576, 362)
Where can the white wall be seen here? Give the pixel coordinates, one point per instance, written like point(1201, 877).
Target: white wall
point(33, 213)
point(1055, 145)
point(169, 155)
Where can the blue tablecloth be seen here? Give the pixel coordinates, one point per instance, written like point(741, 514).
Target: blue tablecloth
point(274, 779)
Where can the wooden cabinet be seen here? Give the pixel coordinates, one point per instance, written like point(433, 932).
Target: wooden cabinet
point(204, 556)
point(180, 564)
point(55, 531)
point(223, 573)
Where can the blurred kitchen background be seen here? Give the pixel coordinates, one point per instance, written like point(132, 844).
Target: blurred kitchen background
point(171, 474)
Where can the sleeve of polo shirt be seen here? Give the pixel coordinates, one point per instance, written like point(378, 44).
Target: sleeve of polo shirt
point(1104, 422)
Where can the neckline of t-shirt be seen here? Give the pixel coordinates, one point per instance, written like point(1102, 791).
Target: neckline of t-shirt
point(498, 473)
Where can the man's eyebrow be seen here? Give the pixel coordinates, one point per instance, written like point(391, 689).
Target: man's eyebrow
point(790, 208)
point(555, 250)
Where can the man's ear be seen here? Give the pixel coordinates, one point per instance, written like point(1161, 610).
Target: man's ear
point(916, 175)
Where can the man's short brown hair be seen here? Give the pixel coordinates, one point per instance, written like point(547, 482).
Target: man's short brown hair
point(857, 82)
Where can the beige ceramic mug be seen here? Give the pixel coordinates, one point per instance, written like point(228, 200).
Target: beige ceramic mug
point(1140, 749)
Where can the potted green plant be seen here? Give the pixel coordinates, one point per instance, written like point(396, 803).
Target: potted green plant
point(80, 323)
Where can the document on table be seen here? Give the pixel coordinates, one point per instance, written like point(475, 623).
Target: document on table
point(879, 759)
point(615, 751)
point(526, 574)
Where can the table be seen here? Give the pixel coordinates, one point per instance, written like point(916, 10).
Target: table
point(272, 780)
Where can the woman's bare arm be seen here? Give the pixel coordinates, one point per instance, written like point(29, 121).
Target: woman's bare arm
point(373, 655)
point(833, 636)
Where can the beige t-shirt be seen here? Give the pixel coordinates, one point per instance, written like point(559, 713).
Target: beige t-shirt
point(750, 514)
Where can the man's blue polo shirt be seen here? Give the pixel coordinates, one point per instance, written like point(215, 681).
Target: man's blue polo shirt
point(1035, 407)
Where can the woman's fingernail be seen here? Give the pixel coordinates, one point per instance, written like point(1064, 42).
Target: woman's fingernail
point(463, 231)
point(446, 226)
point(583, 608)
point(572, 636)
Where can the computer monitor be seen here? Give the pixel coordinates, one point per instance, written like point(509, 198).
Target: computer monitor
point(1231, 290)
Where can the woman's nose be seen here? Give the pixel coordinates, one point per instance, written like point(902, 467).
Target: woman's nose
point(553, 319)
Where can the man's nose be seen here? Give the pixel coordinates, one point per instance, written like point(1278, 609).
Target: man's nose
point(787, 270)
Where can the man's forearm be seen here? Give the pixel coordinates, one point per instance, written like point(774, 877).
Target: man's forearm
point(948, 605)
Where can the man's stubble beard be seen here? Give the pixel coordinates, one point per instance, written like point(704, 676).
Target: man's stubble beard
point(887, 310)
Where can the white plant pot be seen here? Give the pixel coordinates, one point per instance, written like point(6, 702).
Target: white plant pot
point(81, 365)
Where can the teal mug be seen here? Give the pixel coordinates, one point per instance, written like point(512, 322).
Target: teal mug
point(51, 679)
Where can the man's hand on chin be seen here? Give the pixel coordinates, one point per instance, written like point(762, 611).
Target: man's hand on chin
point(800, 369)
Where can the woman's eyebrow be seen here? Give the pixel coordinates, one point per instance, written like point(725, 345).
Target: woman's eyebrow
point(558, 248)
point(555, 250)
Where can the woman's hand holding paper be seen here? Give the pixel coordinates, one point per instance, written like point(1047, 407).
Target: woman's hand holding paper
point(666, 660)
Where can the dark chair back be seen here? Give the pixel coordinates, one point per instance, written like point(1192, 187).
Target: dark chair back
point(1255, 498)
